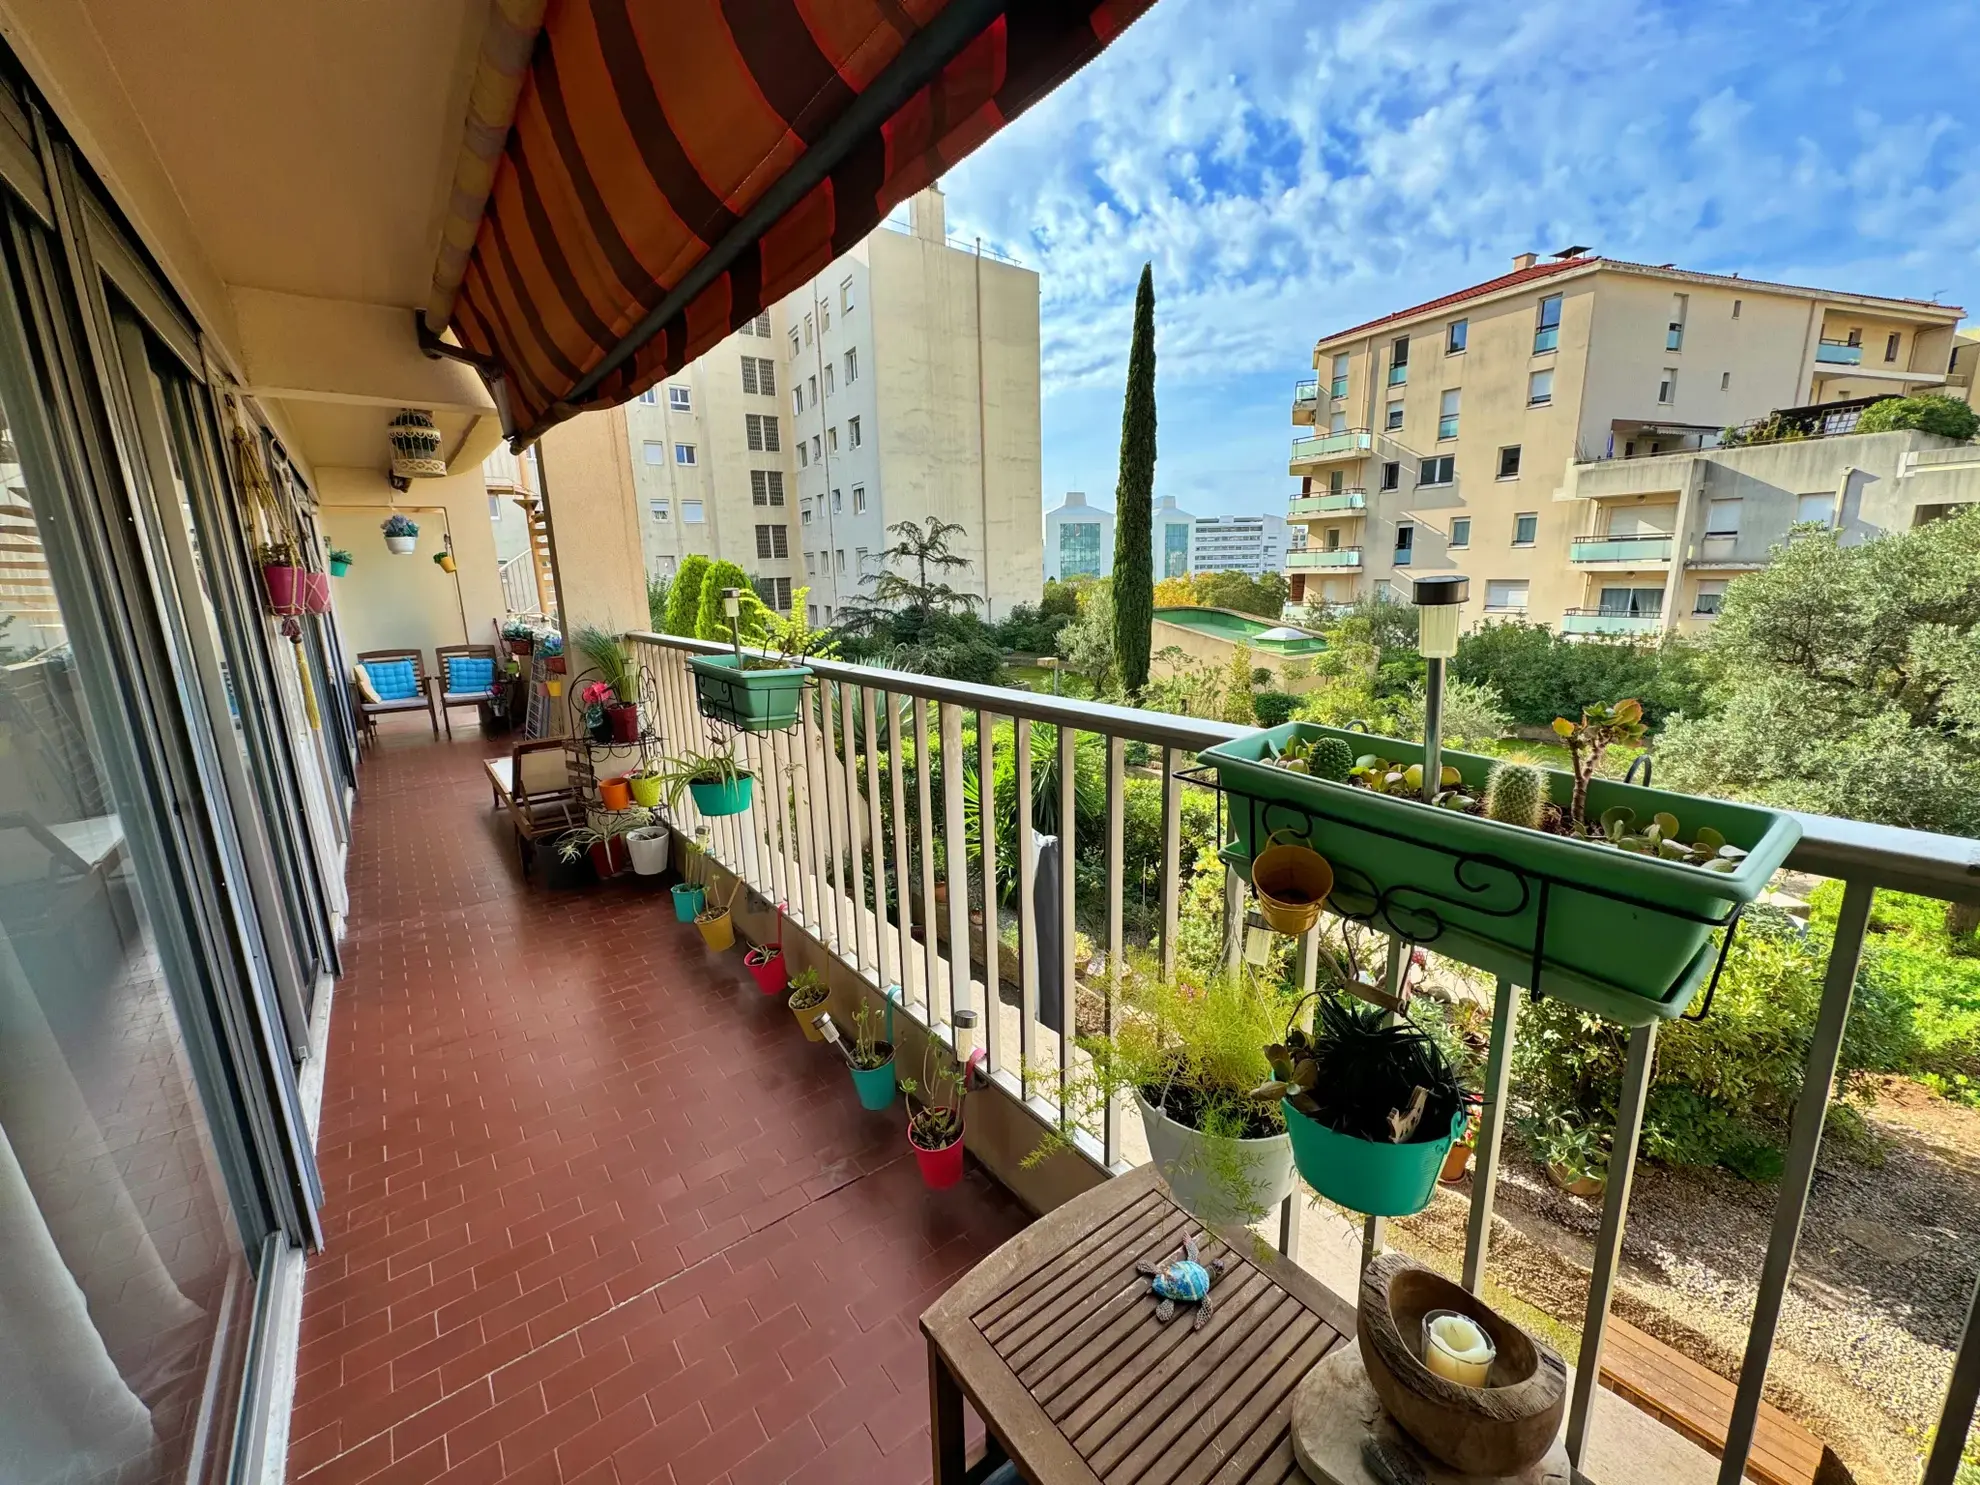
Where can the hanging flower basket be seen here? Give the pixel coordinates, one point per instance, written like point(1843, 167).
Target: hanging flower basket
point(401, 534)
point(1622, 934)
point(765, 700)
point(339, 565)
point(552, 663)
point(415, 445)
point(445, 561)
point(1380, 1179)
point(284, 584)
point(316, 592)
point(729, 797)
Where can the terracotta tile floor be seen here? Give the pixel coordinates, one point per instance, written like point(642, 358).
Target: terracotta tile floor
point(595, 1211)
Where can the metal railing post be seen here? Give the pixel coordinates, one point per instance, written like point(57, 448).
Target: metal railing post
point(1171, 884)
point(1027, 913)
point(1962, 1393)
point(1110, 1136)
point(1485, 1143)
point(986, 835)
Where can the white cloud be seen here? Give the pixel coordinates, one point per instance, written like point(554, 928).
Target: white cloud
point(1289, 172)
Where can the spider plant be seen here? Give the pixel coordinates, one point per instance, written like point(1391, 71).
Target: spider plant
point(678, 770)
point(609, 658)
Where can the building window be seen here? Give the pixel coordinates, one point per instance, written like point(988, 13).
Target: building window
point(1736, 307)
point(1438, 471)
point(804, 455)
point(1667, 386)
point(1333, 538)
point(684, 453)
point(759, 375)
point(680, 399)
point(830, 385)
point(832, 439)
point(794, 345)
point(838, 501)
point(811, 614)
point(1405, 544)
point(1337, 387)
point(840, 555)
point(772, 542)
point(797, 397)
point(1891, 346)
point(654, 453)
point(1855, 336)
point(1461, 531)
point(1540, 388)
point(1447, 414)
point(1079, 549)
point(810, 564)
point(1504, 597)
point(1818, 507)
point(1175, 549)
point(1337, 421)
point(846, 296)
point(859, 500)
point(1722, 518)
point(1454, 337)
point(763, 326)
point(691, 512)
point(1399, 361)
point(766, 487)
point(852, 366)
point(1725, 381)
point(1711, 596)
point(1631, 603)
point(804, 509)
point(659, 509)
point(824, 316)
point(1509, 462)
point(776, 592)
point(1392, 475)
point(1547, 327)
point(649, 397)
point(859, 560)
point(811, 387)
point(749, 374)
point(1394, 418)
point(1526, 528)
point(807, 329)
point(817, 447)
point(1674, 332)
point(852, 432)
point(761, 432)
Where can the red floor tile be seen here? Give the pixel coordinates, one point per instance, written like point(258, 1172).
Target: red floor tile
point(571, 1240)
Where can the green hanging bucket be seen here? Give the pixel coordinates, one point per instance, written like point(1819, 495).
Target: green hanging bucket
point(876, 1086)
point(688, 900)
point(1381, 1180)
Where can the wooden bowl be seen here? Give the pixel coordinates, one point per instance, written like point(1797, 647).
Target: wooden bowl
point(1498, 1429)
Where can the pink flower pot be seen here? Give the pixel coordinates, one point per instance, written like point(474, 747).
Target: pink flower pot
point(283, 585)
point(767, 967)
point(940, 1169)
point(316, 592)
point(624, 722)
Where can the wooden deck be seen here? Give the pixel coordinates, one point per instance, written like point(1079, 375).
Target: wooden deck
point(1697, 1404)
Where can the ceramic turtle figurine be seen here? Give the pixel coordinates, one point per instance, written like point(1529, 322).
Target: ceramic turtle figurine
point(1187, 1280)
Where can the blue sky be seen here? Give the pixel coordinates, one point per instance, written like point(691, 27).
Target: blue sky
point(1290, 169)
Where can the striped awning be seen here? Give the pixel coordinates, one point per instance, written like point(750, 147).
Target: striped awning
point(676, 166)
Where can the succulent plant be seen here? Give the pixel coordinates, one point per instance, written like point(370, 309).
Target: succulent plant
point(1516, 794)
point(1321, 757)
point(1661, 837)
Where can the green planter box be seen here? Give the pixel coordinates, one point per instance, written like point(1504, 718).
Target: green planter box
point(750, 700)
point(1363, 1176)
point(1628, 937)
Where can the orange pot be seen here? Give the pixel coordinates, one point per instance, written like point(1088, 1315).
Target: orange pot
point(615, 794)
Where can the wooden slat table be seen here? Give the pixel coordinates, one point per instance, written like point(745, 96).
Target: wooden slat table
point(1054, 1341)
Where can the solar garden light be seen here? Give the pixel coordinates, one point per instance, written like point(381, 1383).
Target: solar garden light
point(732, 606)
point(1439, 603)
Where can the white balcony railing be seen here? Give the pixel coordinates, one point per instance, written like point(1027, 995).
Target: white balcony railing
point(817, 837)
point(1838, 353)
point(1604, 621)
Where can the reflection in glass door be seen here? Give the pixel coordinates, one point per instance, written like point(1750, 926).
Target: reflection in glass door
point(125, 1293)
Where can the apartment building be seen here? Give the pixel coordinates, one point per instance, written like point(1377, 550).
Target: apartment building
point(713, 470)
point(1442, 432)
point(1079, 539)
point(1254, 545)
point(909, 383)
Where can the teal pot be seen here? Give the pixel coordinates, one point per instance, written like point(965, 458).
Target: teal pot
point(730, 797)
point(1381, 1180)
point(688, 900)
point(764, 700)
point(1629, 937)
point(876, 1085)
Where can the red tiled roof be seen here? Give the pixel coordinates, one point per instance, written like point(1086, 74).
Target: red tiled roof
point(1543, 270)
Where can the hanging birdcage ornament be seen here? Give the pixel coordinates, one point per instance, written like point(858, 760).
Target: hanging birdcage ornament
point(415, 445)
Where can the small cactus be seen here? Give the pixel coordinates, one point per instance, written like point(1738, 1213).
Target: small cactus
point(1515, 794)
point(1330, 759)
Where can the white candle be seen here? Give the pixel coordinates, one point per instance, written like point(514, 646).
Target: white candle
point(1456, 1348)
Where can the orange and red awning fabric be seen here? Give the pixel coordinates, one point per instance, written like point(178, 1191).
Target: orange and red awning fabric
point(676, 166)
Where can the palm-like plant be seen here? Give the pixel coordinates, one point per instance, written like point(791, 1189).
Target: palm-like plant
point(925, 548)
point(609, 658)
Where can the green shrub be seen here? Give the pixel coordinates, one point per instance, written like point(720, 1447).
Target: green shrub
point(1540, 675)
point(1272, 708)
point(1932, 412)
point(684, 596)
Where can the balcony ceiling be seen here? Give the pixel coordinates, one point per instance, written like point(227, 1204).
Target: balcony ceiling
point(311, 145)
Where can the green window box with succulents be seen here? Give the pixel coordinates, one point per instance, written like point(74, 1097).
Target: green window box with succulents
point(764, 699)
point(1624, 884)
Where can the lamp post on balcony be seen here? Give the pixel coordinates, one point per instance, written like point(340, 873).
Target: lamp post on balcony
point(1439, 601)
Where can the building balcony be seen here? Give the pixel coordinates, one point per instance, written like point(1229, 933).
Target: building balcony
point(1621, 551)
point(1335, 559)
point(1838, 353)
point(1329, 448)
point(1306, 398)
point(1599, 621)
point(1334, 502)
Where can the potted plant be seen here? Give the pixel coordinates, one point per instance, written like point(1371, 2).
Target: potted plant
point(614, 794)
point(401, 534)
point(282, 576)
point(646, 783)
point(717, 924)
point(444, 560)
point(1512, 868)
point(688, 900)
point(605, 842)
point(1189, 1052)
point(715, 781)
point(519, 637)
point(616, 671)
point(871, 1054)
point(551, 647)
point(1576, 1159)
point(807, 1002)
point(594, 696)
point(755, 693)
point(935, 1117)
point(1371, 1104)
point(648, 846)
point(340, 561)
point(316, 592)
point(766, 966)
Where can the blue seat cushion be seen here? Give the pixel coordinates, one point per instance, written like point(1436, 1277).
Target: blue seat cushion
point(393, 680)
point(469, 675)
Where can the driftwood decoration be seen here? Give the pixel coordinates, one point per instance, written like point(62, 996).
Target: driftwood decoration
point(1498, 1429)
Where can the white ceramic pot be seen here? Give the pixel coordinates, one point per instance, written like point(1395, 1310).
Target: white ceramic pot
point(401, 546)
point(1218, 1180)
point(649, 849)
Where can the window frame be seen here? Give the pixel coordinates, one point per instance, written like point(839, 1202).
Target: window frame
point(1445, 464)
point(1543, 399)
point(1457, 334)
point(1460, 536)
point(1520, 517)
point(1515, 450)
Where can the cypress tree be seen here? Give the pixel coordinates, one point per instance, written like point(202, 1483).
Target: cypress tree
point(1134, 500)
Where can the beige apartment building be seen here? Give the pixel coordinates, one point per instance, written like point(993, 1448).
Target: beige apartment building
point(912, 372)
point(1452, 436)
